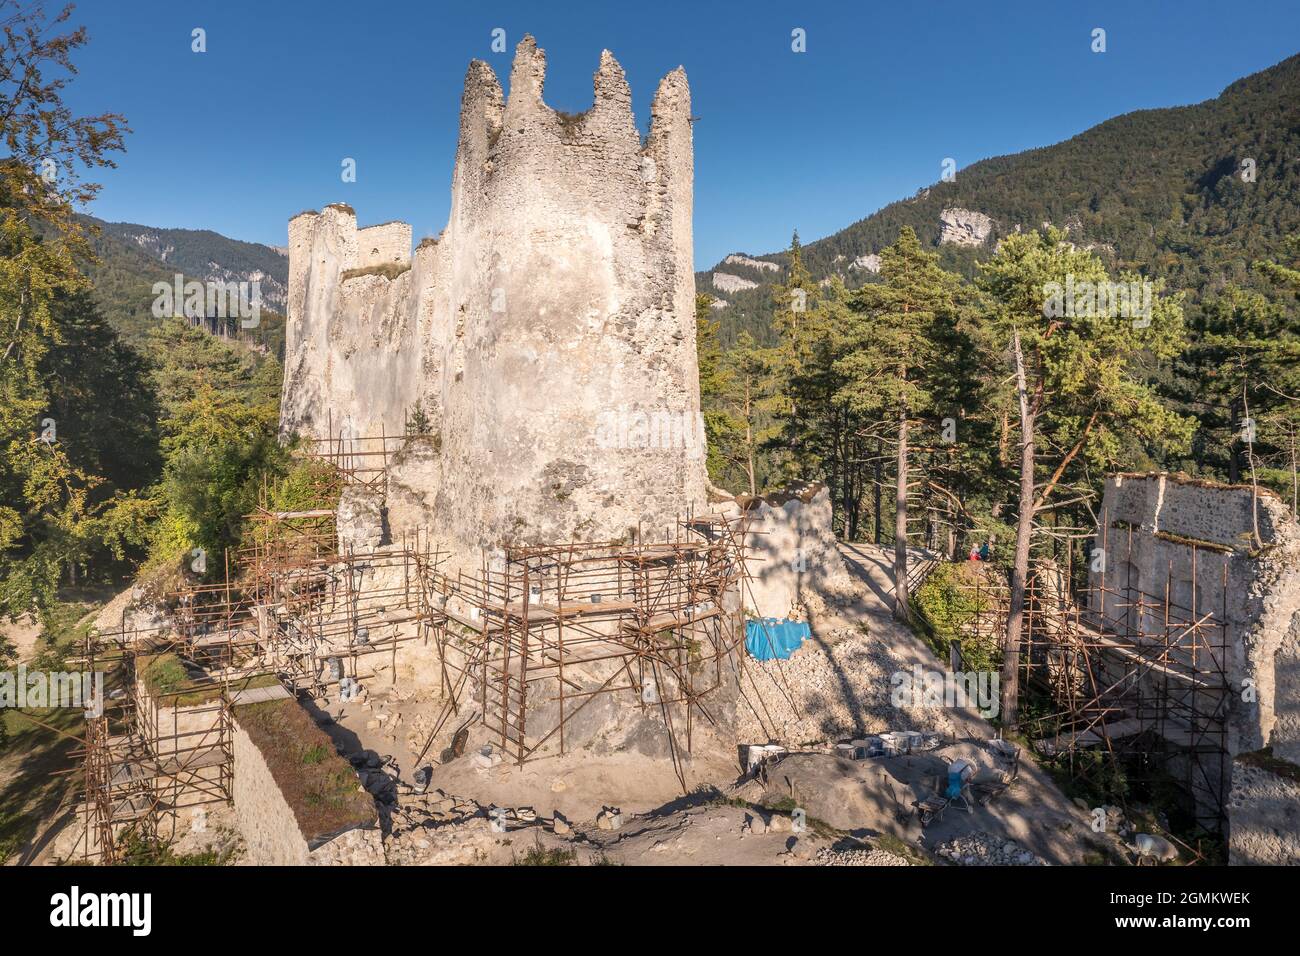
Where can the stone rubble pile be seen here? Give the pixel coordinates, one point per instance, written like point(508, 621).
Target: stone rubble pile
point(985, 849)
point(829, 856)
point(423, 820)
point(840, 687)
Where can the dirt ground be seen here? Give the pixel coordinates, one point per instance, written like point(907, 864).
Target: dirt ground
point(809, 807)
point(862, 811)
point(23, 634)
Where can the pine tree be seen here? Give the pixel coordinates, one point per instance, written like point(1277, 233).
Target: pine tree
point(752, 400)
point(894, 362)
point(720, 428)
point(793, 301)
point(1081, 379)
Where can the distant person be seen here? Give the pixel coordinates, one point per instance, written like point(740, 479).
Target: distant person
point(974, 552)
point(984, 551)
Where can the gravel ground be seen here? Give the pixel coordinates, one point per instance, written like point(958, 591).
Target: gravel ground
point(840, 686)
point(985, 849)
point(873, 857)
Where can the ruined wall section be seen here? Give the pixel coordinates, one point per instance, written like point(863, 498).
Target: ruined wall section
point(270, 830)
point(793, 558)
point(556, 309)
point(1264, 813)
point(1154, 524)
point(388, 244)
point(352, 361)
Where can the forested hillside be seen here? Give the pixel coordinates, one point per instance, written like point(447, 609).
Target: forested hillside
point(1198, 200)
point(129, 438)
point(1160, 191)
point(129, 259)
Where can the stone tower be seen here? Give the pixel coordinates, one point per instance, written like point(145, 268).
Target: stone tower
point(548, 333)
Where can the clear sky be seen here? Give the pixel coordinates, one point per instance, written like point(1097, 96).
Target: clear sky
point(242, 137)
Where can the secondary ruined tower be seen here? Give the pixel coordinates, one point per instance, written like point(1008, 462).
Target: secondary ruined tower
point(548, 334)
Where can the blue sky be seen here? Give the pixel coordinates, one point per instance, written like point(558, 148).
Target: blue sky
point(242, 137)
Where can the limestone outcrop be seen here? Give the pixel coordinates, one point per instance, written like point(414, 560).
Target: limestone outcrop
point(740, 259)
point(964, 227)
point(547, 334)
point(727, 282)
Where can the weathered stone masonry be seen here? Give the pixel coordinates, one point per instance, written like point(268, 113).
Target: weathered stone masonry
point(1170, 537)
point(560, 296)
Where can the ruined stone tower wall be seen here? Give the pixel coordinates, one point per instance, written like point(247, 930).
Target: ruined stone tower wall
point(545, 331)
point(388, 243)
point(1154, 527)
point(351, 348)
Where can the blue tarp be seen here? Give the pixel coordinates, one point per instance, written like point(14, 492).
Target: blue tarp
point(769, 638)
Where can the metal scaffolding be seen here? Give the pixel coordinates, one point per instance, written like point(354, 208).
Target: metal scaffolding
point(541, 632)
point(527, 643)
point(1137, 681)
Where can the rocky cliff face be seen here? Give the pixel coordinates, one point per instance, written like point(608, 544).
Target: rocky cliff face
point(740, 259)
point(963, 227)
point(726, 282)
point(207, 256)
point(548, 333)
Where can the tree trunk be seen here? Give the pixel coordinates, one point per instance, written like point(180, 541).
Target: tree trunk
point(1234, 445)
point(902, 612)
point(1020, 566)
point(1295, 482)
point(749, 442)
point(880, 451)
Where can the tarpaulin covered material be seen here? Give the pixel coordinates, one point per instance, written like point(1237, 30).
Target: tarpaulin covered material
point(771, 639)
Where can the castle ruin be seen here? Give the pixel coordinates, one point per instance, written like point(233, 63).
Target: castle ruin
point(1186, 654)
point(547, 337)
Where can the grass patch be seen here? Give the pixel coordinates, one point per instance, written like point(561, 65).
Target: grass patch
point(165, 675)
point(320, 787)
point(944, 606)
point(136, 851)
point(892, 844)
point(316, 754)
point(31, 788)
point(540, 856)
point(389, 270)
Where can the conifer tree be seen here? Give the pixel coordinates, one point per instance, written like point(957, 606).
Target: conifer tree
point(894, 362)
point(1080, 374)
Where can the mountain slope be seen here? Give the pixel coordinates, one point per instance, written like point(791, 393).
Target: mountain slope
point(133, 257)
point(1161, 191)
point(204, 254)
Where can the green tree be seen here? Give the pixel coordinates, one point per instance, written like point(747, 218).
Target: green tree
point(47, 498)
point(793, 301)
point(751, 401)
point(48, 148)
point(220, 415)
point(894, 362)
point(721, 429)
point(1081, 379)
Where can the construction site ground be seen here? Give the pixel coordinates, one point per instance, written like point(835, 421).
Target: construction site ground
point(624, 807)
point(860, 810)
